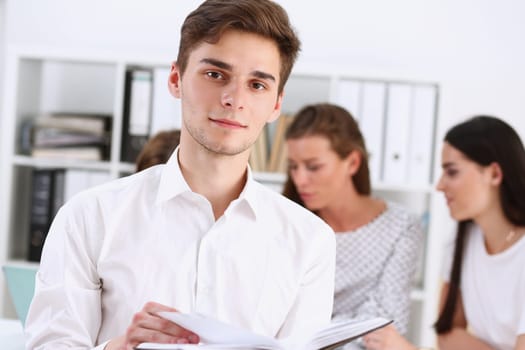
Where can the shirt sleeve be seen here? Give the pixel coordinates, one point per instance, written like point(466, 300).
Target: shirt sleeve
point(391, 298)
point(65, 311)
point(312, 308)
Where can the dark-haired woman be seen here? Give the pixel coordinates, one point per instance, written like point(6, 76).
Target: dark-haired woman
point(377, 241)
point(483, 180)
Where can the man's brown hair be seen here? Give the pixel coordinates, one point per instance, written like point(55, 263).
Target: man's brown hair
point(262, 17)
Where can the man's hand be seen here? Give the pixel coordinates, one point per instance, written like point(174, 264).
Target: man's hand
point(147, 327)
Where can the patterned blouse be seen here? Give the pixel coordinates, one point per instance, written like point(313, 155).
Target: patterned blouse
point(376, 266)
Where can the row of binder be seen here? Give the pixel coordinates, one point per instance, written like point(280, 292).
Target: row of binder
point(397, 121)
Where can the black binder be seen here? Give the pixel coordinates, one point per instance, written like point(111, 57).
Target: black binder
point(136, 113)
point(46, 199)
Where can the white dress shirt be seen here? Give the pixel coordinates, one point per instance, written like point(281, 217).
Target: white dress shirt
point(267, 264)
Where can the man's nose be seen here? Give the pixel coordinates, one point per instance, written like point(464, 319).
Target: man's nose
point(233, 96)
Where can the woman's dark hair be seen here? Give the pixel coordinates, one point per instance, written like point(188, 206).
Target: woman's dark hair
point(340, 128)
point(486, 140)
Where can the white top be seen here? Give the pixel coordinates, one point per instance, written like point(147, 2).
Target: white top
point(267, 264)
point(493, 290)
point(376, 267)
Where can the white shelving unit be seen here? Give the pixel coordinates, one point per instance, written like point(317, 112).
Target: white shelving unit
point(42, 79)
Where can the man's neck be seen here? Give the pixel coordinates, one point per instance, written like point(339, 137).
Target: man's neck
point(219, 178)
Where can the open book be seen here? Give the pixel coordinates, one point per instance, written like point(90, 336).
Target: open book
point(218, 335)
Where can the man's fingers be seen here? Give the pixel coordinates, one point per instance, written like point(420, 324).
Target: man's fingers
point(144, 335)
point(149, 321)
point(153, 307)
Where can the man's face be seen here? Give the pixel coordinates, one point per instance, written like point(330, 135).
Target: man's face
point(229, 90)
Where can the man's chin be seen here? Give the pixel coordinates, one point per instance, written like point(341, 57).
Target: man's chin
point(224, 150)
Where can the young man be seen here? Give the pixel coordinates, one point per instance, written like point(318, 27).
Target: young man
point(197, 234)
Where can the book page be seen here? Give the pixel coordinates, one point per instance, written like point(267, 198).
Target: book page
point(214, 334)
point(218, 335)
point(158, 346)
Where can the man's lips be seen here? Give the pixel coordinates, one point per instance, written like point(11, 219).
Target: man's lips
point(228, 123)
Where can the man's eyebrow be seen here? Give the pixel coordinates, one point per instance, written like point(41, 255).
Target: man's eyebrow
point(217, 63)
point(447, 165)
point(226, 66)
point(263, 75)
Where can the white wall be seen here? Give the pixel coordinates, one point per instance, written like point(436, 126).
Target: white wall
point(2, 46)
point(2, 64)
point(475, 48)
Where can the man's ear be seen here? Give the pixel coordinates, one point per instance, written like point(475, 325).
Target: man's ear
point(277, 108)
point(354, 162)
point(174, 80)
point(496, 174)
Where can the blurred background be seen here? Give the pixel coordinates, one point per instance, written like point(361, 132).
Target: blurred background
point(473, 50)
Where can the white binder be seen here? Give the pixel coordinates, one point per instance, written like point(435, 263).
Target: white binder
point(77, 180)
point(349, 97)
point(421, 137)
point(396, 133)
point(166, 109)
point(372, 125)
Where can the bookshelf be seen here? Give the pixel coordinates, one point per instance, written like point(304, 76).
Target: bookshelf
point(42, 80)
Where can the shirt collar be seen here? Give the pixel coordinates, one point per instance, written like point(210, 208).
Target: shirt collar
point(248, 195)
point(172, 184)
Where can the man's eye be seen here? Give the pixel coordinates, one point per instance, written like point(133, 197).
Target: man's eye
point(215, 75)
point(258, 86)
